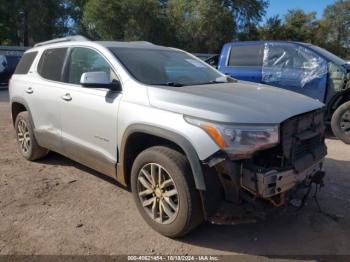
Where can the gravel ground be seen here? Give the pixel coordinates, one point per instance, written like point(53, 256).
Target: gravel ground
point(57, 206)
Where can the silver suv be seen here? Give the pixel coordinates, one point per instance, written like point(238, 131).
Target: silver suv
point(186, 139)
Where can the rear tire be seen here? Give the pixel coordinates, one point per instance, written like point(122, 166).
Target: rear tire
point(341, 122)
point(184, 202)
point(27, 144)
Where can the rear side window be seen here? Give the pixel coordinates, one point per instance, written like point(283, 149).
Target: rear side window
point(51, 63)
point(25, 63)
point(246, 55)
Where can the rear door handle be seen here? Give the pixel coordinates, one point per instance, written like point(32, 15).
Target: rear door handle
point(29, 90)
point(66, 97)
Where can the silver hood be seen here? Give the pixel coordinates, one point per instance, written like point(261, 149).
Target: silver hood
point(240, 102)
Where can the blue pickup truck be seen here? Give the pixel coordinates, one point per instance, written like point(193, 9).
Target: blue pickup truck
point(299, 67)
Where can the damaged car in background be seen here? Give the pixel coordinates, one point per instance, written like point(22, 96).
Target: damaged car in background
point(191, 143)
point(299, 67)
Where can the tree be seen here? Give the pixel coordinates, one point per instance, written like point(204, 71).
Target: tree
point(246, 13)
point(336, 28)
point(28, 21)
point(75, 11)
point(125, 20)
point(300, 26)
point(273, 29)
point(196, 25)
point(200, 26)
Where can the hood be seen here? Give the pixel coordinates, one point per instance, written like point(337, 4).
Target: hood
point(240, 102)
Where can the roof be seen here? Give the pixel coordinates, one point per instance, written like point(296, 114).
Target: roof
point(109, 44)
point(132, 44)
point(271, 41)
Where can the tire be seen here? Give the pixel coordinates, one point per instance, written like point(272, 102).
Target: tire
point(341, 122)
point(175, 167)
point(26, 142)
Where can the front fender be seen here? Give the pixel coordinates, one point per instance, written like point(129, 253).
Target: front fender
point(179, 140)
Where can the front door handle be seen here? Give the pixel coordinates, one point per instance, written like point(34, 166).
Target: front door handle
point(66, 97)
point(29, 90)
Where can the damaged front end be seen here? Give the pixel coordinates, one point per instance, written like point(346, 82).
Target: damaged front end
point(270, 177)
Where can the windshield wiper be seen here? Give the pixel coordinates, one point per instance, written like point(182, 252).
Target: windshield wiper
point(169, 84)
point(220, 80)
point(174, 84)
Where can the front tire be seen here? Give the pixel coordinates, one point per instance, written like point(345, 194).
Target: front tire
point(164, 191)
point(341, 122)
point(27, 144)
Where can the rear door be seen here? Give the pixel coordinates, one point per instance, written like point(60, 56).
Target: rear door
point(244, 61)
point(89, 115)
point(43, 93)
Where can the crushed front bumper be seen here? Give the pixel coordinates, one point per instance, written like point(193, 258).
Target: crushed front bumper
point(275, 182)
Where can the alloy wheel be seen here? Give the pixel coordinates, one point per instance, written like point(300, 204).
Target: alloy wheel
point(23, 136)
point(157, 193)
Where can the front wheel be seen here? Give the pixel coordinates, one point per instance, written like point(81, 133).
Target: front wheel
point(341, 122)
point(164, 191)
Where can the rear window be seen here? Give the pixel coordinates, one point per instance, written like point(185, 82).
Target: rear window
point(25, 63)
point(246, 55)
point(51, 63)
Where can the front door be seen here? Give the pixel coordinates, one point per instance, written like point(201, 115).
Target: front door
point(295, 68)
point(89, 115)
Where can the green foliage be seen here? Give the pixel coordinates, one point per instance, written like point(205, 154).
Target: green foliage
point(335, 27)
point(202, 26)
point(124, 20)
point(273, 29)
point(194, 25)
point(30, 21)
point(299, 25)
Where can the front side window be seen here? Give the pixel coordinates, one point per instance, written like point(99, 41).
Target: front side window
point(289, 57)
point(165, 67)
point(291, 65)
point(246, 55)
point(83, 60)
point(51, 63)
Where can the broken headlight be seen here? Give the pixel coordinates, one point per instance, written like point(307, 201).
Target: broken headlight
point(239, 141)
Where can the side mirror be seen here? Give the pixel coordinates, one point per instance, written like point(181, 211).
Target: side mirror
point(99, 80)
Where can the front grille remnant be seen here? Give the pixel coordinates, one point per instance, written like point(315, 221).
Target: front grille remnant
point(298, 157)
point(303, 139)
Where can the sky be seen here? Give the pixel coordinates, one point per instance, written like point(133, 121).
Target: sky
point(280, 7)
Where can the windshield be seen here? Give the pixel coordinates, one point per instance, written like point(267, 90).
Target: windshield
point(335, 59)
point(165, 67)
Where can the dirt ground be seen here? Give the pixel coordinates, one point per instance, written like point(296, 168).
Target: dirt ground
point(56, 206)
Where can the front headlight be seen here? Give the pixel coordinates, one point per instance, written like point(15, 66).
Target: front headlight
point(239, 141)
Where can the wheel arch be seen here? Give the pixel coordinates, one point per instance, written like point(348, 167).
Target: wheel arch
point(154, 136)
point(19, 105)
point(337, 101)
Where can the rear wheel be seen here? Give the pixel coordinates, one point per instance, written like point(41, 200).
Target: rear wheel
point(164, 191)
point(341, 122)
point(27, 145)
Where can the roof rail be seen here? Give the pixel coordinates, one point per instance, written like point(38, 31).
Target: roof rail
point(63, 39)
